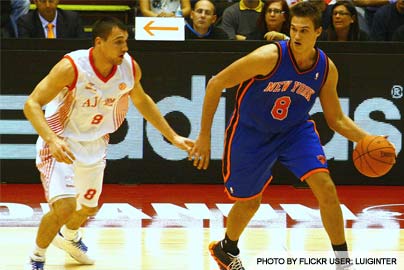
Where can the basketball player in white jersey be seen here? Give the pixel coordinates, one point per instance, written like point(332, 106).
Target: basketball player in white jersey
point(86, 96)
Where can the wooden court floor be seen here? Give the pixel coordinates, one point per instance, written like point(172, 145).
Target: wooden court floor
point(167, 227)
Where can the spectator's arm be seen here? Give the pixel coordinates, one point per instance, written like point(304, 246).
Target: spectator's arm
point(229, 24)
point(144, 6)
point(186, 8)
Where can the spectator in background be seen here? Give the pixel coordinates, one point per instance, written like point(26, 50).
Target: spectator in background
point(202, 22)
point(18, 9)
point(370, 7)
point(273, 22)
point(11, 10)
point(325, 10)
point(49, 21)
point(165, 8)
point(399, 34)
point(240, 19)
point(386, 20)
point(344, 24)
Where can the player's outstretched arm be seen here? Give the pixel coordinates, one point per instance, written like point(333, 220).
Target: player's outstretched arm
point(61, 75)
point(259, 62)
point(148, 108)
point(335, 117)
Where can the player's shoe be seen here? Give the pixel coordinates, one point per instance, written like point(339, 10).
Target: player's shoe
point(36, 263)
point(225, 260)
point(75, 248)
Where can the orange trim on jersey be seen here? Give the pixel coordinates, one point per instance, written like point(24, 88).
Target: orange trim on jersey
point(233, 127)
point(46, 167)
point(76, 72)
point(278, 63)
point(325, 73)
point(121, 110)
point(295, 66)
point(57, 121)
point(315, 128)
point(248, 198)
point(310, 173)
point(99, 75)
point(134, 69)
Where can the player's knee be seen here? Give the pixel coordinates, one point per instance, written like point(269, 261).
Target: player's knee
point(89, 211)
point(328, 194)
point(63, 209)
point(252, 205)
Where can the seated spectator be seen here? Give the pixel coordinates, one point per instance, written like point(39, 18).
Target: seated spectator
point(11, 10)
point(399, 34)
point(49, 21)
point(202, 22)
point(370, 7)
point(386, 20)
point(165, 8)
point(240, 19)
point(344, 24)
point(273, 22)
point(18, 8)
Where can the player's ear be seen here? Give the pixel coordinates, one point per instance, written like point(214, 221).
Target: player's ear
point(318, 31)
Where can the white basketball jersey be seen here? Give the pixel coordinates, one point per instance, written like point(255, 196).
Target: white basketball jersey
point(95, 105)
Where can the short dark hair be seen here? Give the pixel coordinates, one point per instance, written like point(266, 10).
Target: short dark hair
point(102, 28)
point(308, 10)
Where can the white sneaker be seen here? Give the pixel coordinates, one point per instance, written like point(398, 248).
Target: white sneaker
point(35, 263)
point(75, 248)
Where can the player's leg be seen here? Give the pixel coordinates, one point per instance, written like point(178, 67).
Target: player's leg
point(240, 215)
point(247, 171)
point(60, 193)
point(88, 182)
point(331, 214)
point(305, 157)
point(324, 190)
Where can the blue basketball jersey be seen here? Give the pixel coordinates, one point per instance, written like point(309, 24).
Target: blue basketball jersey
point(270, 123)
point(282, 99)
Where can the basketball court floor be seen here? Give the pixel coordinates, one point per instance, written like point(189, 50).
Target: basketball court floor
point(163, 227)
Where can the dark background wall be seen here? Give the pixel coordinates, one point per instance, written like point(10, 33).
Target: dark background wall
point(174, 74)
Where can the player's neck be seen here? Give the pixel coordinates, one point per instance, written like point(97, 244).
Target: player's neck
point(101, 64)
point(305, 59)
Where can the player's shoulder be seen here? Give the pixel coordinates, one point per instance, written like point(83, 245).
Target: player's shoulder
point(266, 52)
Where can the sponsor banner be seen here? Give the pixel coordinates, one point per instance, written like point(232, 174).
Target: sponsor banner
point(371, 95)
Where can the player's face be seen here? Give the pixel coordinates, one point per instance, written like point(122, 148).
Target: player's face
point(303, 34)
point(115, 46)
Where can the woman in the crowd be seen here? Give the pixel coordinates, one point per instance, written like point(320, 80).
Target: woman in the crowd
point(344, 26)
point(273, 22)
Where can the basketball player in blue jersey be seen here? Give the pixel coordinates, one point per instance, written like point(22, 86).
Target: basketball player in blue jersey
point(279, 83)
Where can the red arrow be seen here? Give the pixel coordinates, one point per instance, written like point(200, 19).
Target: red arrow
point(148, 28)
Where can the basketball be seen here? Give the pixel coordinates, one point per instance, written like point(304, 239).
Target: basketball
point(374, 156)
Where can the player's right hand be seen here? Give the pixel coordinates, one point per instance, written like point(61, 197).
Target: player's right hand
point(60, 150)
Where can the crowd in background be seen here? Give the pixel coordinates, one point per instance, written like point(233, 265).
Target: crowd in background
point(343, 20)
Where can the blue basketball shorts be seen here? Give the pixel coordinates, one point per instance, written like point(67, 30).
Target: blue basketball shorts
point(249, 156)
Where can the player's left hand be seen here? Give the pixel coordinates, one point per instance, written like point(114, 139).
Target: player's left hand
point(183, 143)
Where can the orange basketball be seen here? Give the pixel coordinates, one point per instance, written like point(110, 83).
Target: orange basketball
point(374, 156)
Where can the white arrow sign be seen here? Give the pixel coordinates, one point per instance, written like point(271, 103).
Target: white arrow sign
point(153, 28)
